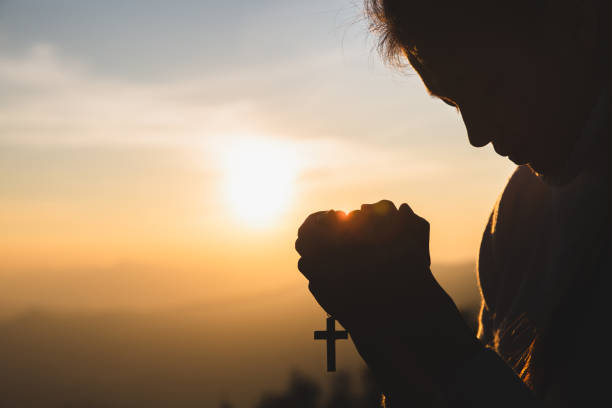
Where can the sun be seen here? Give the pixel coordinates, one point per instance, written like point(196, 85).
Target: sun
point(260, 178)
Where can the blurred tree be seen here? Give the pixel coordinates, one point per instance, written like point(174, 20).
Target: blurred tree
point(302, 392)
point(371, 396)
point(341, 395)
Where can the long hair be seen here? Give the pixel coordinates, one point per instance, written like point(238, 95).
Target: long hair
point(403, 25)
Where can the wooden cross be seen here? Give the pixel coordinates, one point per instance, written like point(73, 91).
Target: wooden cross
point(331, 335)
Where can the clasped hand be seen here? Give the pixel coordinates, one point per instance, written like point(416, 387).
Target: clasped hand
point(370, 270)
point(358, 264)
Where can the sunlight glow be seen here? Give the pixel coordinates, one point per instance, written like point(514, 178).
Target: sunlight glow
point(260, 178)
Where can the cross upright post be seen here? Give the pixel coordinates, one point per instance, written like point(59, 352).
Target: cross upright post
point(331, 335)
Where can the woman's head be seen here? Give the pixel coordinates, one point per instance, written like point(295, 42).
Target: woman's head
point(524, 74)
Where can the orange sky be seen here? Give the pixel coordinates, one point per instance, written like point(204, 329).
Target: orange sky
point(194, 166)
point(156, 161)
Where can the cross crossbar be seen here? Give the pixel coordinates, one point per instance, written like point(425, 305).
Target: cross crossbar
point(331, 335)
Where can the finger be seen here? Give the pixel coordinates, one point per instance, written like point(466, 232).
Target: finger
point(340, 215)
point(416, 232)
point(425, 232)
point(353, 218)
point(307, 245)
point(424, 225)
point(326, 272)
point(407, 214)
point(308, 268)
point(314, 234)
point(327, 299)
point(299, 246)
point(408, 218)
point(383, 207)
point(405, 210)
point(420, 228)
point(354, 215)
point(310, 223)
point(320, 298)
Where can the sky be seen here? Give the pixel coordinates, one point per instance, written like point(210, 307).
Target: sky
point(194, 137)
point(158, 157)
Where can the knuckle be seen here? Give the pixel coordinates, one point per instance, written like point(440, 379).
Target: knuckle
point(386, 204)
point(423, 223)
point(312, 218)
point(322, 297)
point(312, 288)
point(304, 268)
point(302, 230)
point(355, 213)
point(299, 246)
point(309, 224)
point(405, 209)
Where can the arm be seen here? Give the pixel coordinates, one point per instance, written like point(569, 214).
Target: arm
point(485, 380)
point(480, 379)
point(370, 270)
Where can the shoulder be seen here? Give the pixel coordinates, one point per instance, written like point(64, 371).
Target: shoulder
point(524, 196)
point(519, 218)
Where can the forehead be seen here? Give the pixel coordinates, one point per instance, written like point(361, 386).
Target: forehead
point(444, 70)
point(468, 57)
point(467, 45)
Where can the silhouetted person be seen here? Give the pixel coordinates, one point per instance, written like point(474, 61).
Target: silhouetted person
point(532, 78)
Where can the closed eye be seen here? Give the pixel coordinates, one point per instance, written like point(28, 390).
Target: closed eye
point(436, 94)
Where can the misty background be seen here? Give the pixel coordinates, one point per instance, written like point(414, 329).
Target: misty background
point(132, 271)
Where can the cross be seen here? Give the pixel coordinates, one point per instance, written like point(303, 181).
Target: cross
point(331, 335)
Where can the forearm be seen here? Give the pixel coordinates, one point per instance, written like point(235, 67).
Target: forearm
point(442, 373)
point(482, 381)
point(486, 380)
point(412, 368)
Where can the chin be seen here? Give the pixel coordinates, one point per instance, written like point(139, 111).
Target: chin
point(550, 162)
point(518, 160)
point(535, 169)
point(541, 168)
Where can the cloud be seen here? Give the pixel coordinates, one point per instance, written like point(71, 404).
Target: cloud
point(49, 99)
point(342, 114)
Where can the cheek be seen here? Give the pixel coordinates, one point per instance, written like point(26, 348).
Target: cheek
point(490, 110)
point(533, 112)
point(518, 108)
point(517, 105)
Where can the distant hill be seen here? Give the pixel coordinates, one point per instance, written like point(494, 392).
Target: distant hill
point(192, 356)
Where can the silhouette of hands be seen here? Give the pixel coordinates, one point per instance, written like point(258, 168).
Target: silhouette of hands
point(369, 269)
point(355, 262)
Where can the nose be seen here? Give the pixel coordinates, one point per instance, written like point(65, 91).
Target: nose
point(475, 121)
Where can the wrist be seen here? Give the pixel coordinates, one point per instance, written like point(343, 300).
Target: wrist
point(430, 360)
